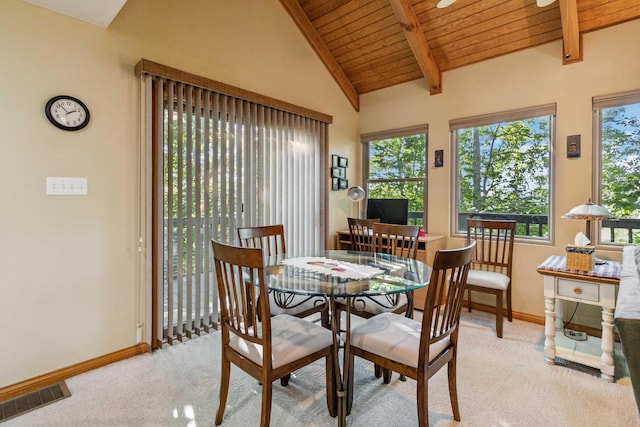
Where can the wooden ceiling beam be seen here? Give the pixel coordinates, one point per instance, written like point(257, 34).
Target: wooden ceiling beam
point(319, 46)
point(571, 40)
point(418, 43)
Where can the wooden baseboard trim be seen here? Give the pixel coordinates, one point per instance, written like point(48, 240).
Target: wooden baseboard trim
point(594, 332)
point(516, 314)
point(18, 389)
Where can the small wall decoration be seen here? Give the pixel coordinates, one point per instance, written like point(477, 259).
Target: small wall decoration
point(573, 146)
point(438, 161)
point(335, 184)
point(339, 172)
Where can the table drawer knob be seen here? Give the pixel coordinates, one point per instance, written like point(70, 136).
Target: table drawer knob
point(577, 291)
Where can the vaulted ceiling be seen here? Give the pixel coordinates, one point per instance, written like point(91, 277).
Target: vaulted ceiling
point(373, 44)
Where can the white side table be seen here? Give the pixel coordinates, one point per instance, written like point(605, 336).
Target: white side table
point(596, 287)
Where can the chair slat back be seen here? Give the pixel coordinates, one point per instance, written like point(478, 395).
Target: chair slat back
point(494, 249)
point(361, 232)
point(443, 303)
point(394, 239)
point(267, 237)
point(238, 270)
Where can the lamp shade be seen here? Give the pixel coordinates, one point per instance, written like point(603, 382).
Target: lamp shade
point(588, 211)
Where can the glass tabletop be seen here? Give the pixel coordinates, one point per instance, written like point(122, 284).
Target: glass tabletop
point(347, 273)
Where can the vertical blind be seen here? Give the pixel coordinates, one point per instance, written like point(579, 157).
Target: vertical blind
point(224, 162)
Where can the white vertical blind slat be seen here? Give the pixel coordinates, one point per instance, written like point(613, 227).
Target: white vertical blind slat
point(169, 290)
point(189, 147)
point(198, 220)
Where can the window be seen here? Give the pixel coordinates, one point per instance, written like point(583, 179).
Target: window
point(617, 166)
point(395, 168)
point(503, 169)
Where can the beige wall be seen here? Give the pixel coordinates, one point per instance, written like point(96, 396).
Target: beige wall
point(70, 265)
point(524, 79)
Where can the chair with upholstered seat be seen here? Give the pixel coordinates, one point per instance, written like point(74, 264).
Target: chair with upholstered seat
point(491, 267)
point(361, 233)
point(267, 348)
point(418, 349)
point(393, 239)
point(271, 239)
point(398, 240)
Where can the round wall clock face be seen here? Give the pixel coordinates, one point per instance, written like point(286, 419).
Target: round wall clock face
point(67, 112)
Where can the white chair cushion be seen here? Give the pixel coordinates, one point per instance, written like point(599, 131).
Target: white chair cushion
point(292, 300)
point(292, 338)
point(395, 337)
point(488, 279)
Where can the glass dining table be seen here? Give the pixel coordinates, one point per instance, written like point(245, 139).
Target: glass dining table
point(350, 277)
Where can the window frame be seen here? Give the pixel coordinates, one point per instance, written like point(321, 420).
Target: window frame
point(599, 103)
point(502, 117)
point(365, 139)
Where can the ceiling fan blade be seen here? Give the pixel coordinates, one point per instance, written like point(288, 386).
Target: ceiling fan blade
point(445, 3)
point(544, 3)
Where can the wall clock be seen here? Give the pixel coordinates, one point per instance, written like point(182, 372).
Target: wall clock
point(67, 113)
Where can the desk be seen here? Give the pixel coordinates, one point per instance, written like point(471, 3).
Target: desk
point(596, 287)
point(393, 275)
point(427, 247)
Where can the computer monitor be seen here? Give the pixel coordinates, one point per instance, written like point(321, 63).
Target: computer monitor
point(390, 211)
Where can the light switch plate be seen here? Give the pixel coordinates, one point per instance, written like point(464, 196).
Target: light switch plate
point(66, 186)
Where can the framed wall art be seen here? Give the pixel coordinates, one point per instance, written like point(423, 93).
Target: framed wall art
point(573, 146)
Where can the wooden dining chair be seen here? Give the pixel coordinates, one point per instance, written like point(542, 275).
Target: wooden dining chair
point(393, 239)
point(418, 349)
point(271, 238)
point(361, 233)
point(491, 267)
point(268, 348)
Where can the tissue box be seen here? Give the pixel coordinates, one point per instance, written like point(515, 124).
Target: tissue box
point(580, 257)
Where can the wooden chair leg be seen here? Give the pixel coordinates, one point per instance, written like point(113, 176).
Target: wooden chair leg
point(453, 388)
point(469, 300)
point(224, 389)
point(423, 401)
point(332, 398)
point(509, 311)
point(499, 313)
point(377, 370)
point(386, 375)
point(284, 381)
point(267, 392)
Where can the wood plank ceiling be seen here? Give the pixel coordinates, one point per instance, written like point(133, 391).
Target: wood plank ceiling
point(373, 44)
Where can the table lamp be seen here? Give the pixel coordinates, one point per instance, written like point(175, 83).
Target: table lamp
point(589, 211)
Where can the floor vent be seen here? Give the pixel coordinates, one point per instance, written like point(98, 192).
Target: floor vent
point(34, 400)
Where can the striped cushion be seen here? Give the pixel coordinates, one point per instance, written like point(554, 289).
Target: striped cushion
point(394, 337)
point(292, 339)
point(488, 279)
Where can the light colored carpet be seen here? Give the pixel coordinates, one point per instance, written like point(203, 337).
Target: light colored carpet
point(501, 382)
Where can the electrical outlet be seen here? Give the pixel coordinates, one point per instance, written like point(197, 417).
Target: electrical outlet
point(575, 335)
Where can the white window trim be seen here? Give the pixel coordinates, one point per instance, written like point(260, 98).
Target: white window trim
point(598, 104)
point(505, 116)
